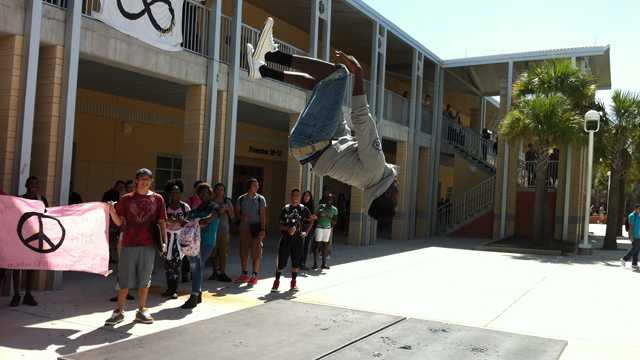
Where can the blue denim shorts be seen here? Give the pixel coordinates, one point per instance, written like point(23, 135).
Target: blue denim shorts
point(321, 117)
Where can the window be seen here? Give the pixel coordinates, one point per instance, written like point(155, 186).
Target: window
point(167, 167)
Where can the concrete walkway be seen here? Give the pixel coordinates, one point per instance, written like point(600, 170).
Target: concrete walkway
point(588, 300)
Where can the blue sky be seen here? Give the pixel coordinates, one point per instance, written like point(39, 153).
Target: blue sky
point(460, 28)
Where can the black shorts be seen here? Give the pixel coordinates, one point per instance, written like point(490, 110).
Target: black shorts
point(290, 246)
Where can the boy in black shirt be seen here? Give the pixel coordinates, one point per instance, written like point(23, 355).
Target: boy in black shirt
point(295, 224)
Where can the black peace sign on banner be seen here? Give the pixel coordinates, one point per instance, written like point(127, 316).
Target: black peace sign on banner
point(40, 238)
point(147, 11)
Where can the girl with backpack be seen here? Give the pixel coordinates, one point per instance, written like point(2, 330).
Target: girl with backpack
point(177, 212)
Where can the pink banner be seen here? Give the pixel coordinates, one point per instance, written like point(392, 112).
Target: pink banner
point(66, 238)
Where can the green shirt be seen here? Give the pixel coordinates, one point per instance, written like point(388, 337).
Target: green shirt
point(326, 214)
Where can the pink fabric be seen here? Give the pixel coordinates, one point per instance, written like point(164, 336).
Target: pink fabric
point(76, 236)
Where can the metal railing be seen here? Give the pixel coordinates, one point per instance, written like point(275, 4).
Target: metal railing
point(470, 142)
point(195, 23)
point(527, 174)
point(427, 119)
point(396, 108)
point(458, 211)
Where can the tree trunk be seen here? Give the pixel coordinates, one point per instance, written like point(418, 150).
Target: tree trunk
point(622, 205)
point(610, 239)
point(539, 209)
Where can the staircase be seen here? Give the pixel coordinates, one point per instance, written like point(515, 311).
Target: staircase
point(471, 145)
point(467, 207)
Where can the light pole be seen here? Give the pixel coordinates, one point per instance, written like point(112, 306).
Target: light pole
point(591, 125)
point(608, 190)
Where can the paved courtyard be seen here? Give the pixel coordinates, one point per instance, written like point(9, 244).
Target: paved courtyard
point(588, 300)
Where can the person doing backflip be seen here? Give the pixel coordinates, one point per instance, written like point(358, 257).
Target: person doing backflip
point(321, 136)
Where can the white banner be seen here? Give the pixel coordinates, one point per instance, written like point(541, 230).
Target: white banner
point(156, 22)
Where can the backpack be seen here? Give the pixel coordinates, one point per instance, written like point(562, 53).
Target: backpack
point(189, 238)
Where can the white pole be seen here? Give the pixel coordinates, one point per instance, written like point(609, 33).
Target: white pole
point(608, 190)
point(585, 245)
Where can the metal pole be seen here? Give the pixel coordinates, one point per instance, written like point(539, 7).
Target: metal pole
point(215, 20)
point(67, 125)
point(505, 161)
point(585, 246)
point(567, 193)
point(608, 189)
point(33, 21)
point(234, 86)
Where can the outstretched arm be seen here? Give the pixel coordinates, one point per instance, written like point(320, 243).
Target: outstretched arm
point(355, 68)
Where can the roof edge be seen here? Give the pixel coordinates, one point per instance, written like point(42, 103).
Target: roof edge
point(527, 56)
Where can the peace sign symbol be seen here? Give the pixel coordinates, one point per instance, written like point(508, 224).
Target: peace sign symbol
point(147, 11)
point(40, 237)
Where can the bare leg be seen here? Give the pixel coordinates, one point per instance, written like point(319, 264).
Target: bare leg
point(142, 298)
point(122, 297)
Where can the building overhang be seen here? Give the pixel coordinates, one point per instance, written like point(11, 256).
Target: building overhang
point(488, 73)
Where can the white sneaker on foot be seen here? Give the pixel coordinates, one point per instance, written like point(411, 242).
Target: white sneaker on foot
point(265, 42)
point(254, 66)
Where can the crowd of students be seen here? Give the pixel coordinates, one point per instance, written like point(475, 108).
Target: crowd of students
point(136, 215)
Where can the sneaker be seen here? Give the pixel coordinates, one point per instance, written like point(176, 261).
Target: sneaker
point(265, 43)
point(191, 302)
point(15, 301)
point(114, 299)
point(294, 286)
point(142, 316)
point(623, 263)
point(116, 317)
point(29, 300)
point(325, 267)
point(276, 285)
point(214, 276)
point(254, 66)
point(253, 280)
point(634, 267)
point(242, 278)
point(130, 297)
point(167, 293)
point(173, 296)
point(315, 267)
point(224, 278)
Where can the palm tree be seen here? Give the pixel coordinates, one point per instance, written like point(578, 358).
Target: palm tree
point(546, 121)
point(620, 138)
point(549, 100)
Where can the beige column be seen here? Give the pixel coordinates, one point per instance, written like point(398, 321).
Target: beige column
point(46, 137)
point(400, 228)
point(11, 91)
point(578, 196)
point(358, 220)
point(294, 169)
point(219, 143)
point(422, 201)
point(194, 134)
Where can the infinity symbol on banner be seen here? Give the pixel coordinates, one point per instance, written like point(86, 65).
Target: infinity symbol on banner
point(147, 11)
point(41, 238)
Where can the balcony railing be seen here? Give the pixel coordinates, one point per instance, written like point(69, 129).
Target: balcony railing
point(396, 108)
point(454, 213)
point(527, 174)
point(196, 31)
point(469, 141)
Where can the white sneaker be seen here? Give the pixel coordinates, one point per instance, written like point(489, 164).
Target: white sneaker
point(623, 263)
point(265, 42)
point(254, 66)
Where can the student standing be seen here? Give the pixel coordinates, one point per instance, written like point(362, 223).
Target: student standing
point(177, 212)
point(327, 215)
point(634, 234)
point(251, 209)
point(295, 223)
point(307, 201)
point(221, 252)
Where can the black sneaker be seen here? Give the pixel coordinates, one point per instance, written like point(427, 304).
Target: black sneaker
point(315, 267)
point(173, 296)
point(326, 267)
point(142, 316)
point(130, 297)
point(114, 299)
point(214, 276)
point(191, 302)
point(116, 318)
point(224, 278)
point(29, 300)
point(15, 301)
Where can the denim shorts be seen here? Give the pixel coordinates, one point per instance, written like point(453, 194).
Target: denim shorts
point(322, 117)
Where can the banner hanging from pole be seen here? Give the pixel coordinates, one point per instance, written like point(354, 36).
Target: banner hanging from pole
point(156, 22)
